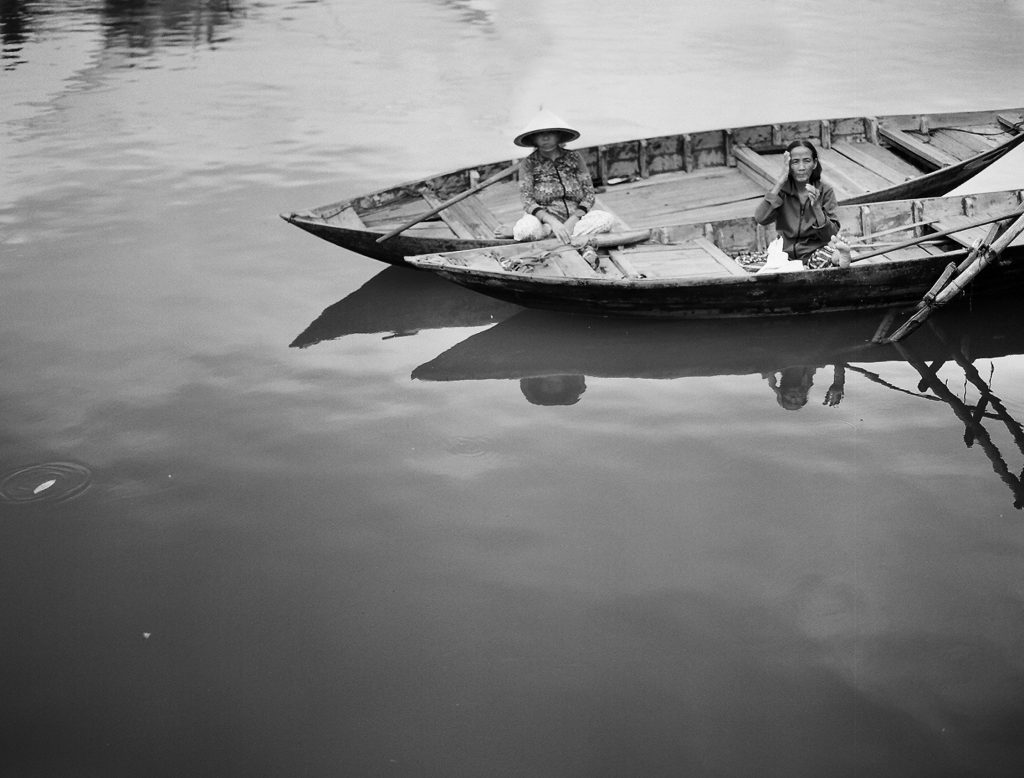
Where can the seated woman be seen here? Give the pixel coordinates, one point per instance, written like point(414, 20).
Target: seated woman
point(802, 206)
point(555, 186)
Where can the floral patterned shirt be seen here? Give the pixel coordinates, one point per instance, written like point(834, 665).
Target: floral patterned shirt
point(561, 186)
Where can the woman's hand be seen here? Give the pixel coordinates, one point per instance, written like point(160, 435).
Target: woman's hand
point(813, 194)
point(833, 396)
point(570, 225)
point(561, 231)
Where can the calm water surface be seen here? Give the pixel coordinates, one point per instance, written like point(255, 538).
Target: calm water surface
point(272, 509)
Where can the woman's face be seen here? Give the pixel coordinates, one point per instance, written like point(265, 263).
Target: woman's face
point(547, 141)
point(801, 164)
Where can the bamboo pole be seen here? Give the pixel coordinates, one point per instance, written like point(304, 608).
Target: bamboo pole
point(892, 230)
point(978, 260)
point(982, 261)
point(941, 233)
point(452, 200)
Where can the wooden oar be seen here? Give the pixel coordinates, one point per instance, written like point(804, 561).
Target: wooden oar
point(452, 200)
point(940, 234)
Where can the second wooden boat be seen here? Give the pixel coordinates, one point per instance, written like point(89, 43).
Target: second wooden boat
point(691, 271)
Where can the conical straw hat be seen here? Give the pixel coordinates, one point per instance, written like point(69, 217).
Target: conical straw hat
point(545, 120)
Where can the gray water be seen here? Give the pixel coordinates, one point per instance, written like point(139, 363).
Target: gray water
point(240, 536)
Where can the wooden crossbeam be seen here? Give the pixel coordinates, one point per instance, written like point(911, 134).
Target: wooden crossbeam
point(755, 166)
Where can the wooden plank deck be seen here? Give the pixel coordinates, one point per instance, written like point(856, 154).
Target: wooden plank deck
point(674, 197)
point(727, 263)
point(682, 261)
point(968, 238)
point(468, 218)
point(890, 160)
point(886, 169)
point(852, 174)
point(973, 140)
point(348, 218)
point(913, 145)
point(956, 144)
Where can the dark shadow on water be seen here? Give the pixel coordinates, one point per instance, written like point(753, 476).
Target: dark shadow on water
point(550, 355)
point(399, 301)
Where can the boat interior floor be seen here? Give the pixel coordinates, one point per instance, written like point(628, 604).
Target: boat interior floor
point(704, 194)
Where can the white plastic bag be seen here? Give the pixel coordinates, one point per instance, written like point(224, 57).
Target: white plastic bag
point(778, 261)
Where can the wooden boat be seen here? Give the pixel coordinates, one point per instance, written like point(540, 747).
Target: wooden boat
point(675, 179)
point(690, 271)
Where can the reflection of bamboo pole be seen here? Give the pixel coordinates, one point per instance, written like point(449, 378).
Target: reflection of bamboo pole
point(963, 412)
point(922, 385)
point(983, 388)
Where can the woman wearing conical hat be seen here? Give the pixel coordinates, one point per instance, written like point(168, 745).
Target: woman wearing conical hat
point(555, 185)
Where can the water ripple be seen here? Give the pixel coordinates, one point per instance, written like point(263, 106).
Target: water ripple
point(52, 482)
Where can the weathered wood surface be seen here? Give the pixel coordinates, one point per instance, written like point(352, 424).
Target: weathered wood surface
point(679, 179)
point(682, 273)
point(469, 218)
point(913, 145)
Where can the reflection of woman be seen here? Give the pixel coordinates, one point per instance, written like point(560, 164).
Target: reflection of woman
point(802, 206)
point(794, 383)
point(555, 185)
point(553, 389)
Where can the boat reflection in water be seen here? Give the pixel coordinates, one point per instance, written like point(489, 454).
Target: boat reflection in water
point(400, 302)
point(552, 356)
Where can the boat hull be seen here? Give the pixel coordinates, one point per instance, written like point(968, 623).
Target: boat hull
point(776, 294)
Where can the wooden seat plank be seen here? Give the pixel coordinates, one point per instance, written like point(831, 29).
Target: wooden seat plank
point(758, 168)
point(1013, 123)
point(928, 154)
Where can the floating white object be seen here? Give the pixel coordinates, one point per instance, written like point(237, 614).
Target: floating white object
point(44, 486)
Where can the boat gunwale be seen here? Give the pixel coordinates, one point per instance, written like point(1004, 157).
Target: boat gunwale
point(868, 271)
